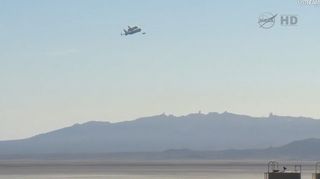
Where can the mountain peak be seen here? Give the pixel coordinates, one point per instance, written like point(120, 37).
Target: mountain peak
point(96, 123)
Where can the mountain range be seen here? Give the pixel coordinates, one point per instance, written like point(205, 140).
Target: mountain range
point(212, 135)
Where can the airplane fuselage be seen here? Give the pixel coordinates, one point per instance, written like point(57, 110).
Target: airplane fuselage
point(130, 32)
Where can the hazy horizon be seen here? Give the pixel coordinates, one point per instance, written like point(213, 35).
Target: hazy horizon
point(166, 114)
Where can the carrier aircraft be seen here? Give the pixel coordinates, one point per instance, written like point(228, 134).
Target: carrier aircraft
point(132, 30)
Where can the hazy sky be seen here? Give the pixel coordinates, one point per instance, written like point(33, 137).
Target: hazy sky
point(64, 62)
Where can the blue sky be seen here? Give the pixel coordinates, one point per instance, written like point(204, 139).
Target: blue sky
point(64, 62)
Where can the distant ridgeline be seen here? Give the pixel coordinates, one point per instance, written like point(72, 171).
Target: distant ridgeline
point(213, 135)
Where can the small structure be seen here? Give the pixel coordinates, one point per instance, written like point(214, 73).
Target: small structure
point(274, 172)
point(316, 175)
